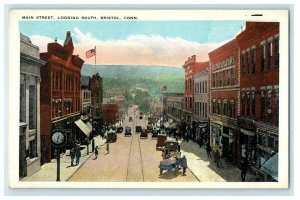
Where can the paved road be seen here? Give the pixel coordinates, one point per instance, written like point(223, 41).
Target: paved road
point(130, 159)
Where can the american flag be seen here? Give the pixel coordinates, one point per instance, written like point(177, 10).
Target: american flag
point(163, 88)
point(90, 53)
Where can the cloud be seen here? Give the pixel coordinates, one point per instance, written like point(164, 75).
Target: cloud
point(135, 49)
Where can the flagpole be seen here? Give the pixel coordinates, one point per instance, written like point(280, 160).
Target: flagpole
point(95, 58)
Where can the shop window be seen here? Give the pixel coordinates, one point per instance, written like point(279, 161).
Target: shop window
point(32, 107)
point(263, 57)
point(263, 140)
point(253, 60)
point(32, 149)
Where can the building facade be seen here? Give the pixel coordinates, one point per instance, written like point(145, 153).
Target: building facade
point(225, 99)
point(110, 113)
point(86, 100)
point(29, 139)
point(259, 90)
point(201, 103)
point(60, 94)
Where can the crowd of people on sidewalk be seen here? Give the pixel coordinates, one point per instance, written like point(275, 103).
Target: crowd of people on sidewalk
point(75, 154)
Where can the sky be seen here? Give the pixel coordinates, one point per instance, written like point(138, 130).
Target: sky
point(163, 43)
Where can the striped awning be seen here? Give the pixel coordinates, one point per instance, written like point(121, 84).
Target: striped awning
point(83, 127)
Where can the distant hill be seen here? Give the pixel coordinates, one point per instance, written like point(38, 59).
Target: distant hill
point(127, 77)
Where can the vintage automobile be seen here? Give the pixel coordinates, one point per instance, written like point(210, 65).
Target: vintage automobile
point(169, 164)
point(155, 132)
point(138, 129)
point(170, 149)
point(144, 133)
point(127, 131)
point(111, 136)
point(120, 129)
point(149, 128)
point(161, 138)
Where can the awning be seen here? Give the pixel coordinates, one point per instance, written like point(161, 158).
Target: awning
point(271, 167)
point(245, 132)
point(174, 125)
point(84, 128)
point(89, 125)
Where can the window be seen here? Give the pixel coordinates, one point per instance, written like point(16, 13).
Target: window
point(190, 83)
point(232, 76)
point(200, 88)
point(22, 99)
point(243, 64)
point(186, 84)
point(228, 77)
point(205, 109)
point(225, 107)
point(191, 104)
point(276, 43)
point(219, 111)
point(186, 102)
point(262, 105)
point(253, 102)
point(270, 52)
point(32, 149)
point(32, 107)
point(263, 140)
point(205, 86)
point(214, 106)
point(253, 60)
point(263, 57)
point(200, 110)
point(231, 109)
point(243, 103)
point(248, 104)
point(248, 62)
point(276, 106)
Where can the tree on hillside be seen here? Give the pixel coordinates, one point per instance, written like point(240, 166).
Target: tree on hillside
point(142, 99)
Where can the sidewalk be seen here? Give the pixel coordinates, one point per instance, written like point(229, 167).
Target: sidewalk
point(205, 169)
point(48, 170)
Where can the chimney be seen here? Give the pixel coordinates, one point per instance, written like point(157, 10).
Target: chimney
point(68, 34)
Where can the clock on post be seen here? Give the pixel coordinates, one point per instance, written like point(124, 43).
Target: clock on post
point(58, 138)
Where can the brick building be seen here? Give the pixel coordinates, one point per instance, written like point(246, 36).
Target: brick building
point(225, 99)
point(259, 89)
point(110, 113)
point(60, 94)
point(201, 103)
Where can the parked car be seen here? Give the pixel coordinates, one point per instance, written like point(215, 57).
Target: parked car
point(155, 132)
point(111, 136)
point(138, 129)
point(149, 128)
point(120, 129)
point(161, 138)
point(127, 131)
point(144, 133)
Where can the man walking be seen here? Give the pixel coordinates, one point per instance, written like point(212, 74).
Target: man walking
point(217, 157)
point(107, 147)
point(184, 165)
point(244, 170)
point(208, 150)
point(96, 152)
point(72, 154)
point(78, 155)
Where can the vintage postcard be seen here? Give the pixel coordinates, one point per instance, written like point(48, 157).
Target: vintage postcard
point(148, 99)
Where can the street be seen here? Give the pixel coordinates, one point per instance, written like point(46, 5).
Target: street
point(129, 159)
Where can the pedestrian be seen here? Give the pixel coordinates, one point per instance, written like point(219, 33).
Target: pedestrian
point(178, 147)
point(208, 150)
point(72, 154)
point(107, 147)
point(96, 152)
point(217, 157)
point(244, 170)
point(93, 145)
point(78, 155)
point(184, 165)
